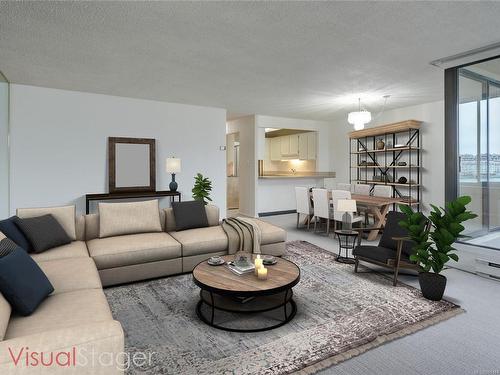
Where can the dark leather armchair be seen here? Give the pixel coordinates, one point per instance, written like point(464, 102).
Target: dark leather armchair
point(393, 250)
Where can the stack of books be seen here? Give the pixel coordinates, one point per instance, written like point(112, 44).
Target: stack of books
point(241, 269)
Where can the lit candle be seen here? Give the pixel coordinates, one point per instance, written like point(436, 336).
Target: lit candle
point(258, 264)
point(258, 261)
point(262, 273)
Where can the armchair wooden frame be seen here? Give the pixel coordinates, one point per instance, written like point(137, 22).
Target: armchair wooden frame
point(395, 264)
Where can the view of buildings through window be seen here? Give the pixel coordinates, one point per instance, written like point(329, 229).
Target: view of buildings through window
point(479, 148)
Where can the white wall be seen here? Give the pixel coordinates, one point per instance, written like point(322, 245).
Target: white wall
point(4, 149)
point(59, 142)
point(247, 173)
point(279, 194)
point(432, 132)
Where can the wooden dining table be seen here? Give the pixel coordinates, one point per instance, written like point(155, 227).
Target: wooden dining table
point(378, 206)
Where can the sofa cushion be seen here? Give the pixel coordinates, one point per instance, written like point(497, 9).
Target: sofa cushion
point(65, 215)
point(80, 228)
point(75, 249)
point(68, 275)
point(43, 232)
point(5, 311)
point(91, 226)
point(22, 282)
point(133, 249)
point(201, 240)
point(270, 232)
point(190, 215)
point(212, 216)
point(12, 231)
point(117, 219)
point(62, 310)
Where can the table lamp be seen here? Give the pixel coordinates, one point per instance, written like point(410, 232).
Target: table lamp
point(173, 166)
point(347, 206)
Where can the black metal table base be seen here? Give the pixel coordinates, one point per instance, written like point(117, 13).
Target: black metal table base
point(347, 241)
point(239, 307)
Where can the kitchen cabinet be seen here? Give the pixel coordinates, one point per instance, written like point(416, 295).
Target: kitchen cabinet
point(297, 146)
point(285, 145)
point(294, 145)
point(311, 145)
point(275, 148)
point(289, 146)
point(267, 149)
point(303, 142)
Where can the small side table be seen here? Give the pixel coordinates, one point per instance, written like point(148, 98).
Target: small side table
point(347, 241)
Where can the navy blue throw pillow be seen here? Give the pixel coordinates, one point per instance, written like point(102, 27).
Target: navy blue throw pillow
point(11, 230)
point(22, 282)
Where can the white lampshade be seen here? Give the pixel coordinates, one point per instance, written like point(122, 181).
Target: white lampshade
point(173, 165)
point(346, 205)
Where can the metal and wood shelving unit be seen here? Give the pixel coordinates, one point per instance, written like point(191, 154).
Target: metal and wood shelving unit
point(400, 157)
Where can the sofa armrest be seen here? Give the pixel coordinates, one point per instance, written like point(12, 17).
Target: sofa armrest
point(95, 348)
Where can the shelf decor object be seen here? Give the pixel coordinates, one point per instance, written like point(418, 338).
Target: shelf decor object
point(398, 166)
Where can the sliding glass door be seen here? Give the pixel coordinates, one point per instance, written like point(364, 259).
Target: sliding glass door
point(479, 149)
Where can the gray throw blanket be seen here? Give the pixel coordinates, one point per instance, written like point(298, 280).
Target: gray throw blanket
point(243, 234)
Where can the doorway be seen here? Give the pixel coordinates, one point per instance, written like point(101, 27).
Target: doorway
point(232, 173)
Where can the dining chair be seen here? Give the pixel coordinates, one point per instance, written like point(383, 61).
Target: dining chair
point(322, 209)
point(304, 206)
point(342, 186)
point(362, 189)
point(382, 191)
point(338, 195)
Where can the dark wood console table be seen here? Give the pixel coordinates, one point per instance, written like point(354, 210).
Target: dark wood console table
point(137, 194)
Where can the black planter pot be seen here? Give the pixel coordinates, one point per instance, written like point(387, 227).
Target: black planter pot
point(432, 285)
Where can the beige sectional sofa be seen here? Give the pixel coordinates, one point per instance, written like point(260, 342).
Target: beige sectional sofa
point(75, 318)
point(77, 315)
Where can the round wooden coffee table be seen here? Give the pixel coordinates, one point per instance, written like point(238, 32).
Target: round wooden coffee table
point(223, 290)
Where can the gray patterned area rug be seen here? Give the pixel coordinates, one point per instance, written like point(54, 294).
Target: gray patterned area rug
point(340, 314)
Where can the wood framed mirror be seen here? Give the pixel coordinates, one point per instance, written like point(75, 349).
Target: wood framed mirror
point(131, 164)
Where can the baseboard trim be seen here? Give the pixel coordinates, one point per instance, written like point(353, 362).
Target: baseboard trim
point(272, 213)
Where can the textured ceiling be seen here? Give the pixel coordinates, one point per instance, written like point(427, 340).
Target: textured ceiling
point(295, 59)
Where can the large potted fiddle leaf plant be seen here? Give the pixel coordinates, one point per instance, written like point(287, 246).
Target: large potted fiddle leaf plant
point(434, 236)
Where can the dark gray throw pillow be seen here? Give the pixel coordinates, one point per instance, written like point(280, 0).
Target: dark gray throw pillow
point(189, 215)
point(9, 228)
point(7, 246)
point(43, 232)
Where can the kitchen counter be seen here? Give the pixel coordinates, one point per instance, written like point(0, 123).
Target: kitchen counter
point(284, 175)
